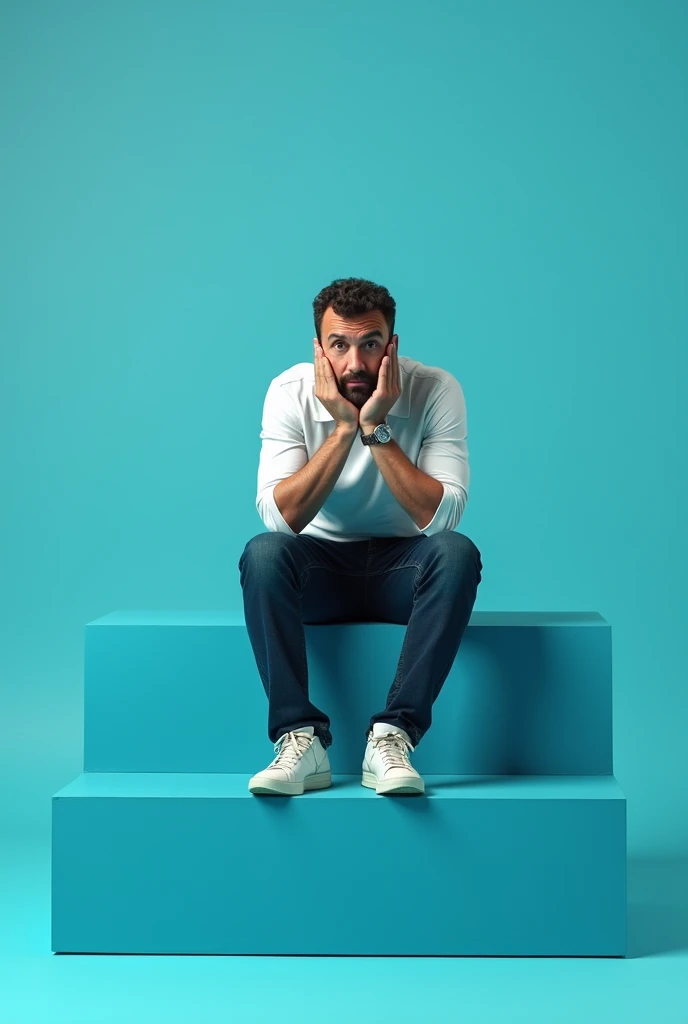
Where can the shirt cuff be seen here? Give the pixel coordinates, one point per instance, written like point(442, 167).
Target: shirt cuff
point(271, 515)
point(448, 512)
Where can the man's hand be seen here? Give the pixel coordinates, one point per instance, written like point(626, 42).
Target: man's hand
point(344, 411)
point(385, 394)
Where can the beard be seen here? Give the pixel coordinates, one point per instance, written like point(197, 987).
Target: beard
point(358, 396)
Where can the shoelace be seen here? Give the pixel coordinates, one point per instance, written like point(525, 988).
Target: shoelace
point(291, 746)
point(393, 749)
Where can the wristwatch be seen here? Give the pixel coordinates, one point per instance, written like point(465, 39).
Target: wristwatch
point(381, 435)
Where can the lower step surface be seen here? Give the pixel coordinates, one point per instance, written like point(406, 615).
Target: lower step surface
point(478, 865)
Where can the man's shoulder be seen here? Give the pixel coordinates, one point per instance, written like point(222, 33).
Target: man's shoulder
point(295, 373)
point(296, 380)
point(422, 371)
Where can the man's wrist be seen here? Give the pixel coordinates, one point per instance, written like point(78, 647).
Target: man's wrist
point(368, 428)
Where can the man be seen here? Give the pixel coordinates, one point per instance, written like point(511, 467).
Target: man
point(363, 476)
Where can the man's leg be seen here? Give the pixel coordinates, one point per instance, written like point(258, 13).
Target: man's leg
point(430, 584)
point(287, 581)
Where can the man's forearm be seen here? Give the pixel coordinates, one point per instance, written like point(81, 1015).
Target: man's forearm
point(416, 492)
point(301, 496)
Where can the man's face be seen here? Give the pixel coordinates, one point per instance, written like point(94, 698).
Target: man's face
point(355, 348)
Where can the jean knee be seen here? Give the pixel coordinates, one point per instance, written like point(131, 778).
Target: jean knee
point(456, 550)
point(264, 548)
point(455, 545)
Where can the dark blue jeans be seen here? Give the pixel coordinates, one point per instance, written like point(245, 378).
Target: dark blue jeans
point(429, 584)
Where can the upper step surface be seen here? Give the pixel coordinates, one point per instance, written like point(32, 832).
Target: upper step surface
point(529, 693)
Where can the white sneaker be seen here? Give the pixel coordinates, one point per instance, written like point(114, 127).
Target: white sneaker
point(301, 763)
point(386, 767)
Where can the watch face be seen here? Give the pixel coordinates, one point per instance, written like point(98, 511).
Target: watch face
point(382, 432)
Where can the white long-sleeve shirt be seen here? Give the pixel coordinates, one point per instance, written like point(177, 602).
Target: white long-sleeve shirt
point(428, 422)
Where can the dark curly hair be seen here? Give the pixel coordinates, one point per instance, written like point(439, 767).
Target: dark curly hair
point(351, 297)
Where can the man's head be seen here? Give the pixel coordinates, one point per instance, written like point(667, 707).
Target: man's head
point(354, 321)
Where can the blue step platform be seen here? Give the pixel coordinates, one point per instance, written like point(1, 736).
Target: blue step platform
point(518, 846)
point(528, 694)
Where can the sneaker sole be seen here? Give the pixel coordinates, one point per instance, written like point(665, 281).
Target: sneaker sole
point(274, 787)
point(392, 785)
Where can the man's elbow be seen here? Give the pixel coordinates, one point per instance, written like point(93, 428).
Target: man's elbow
point(271, 516)
point(449, 511)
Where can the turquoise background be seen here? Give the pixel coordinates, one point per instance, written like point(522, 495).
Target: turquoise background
point(181, 179)
point(179, 182)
